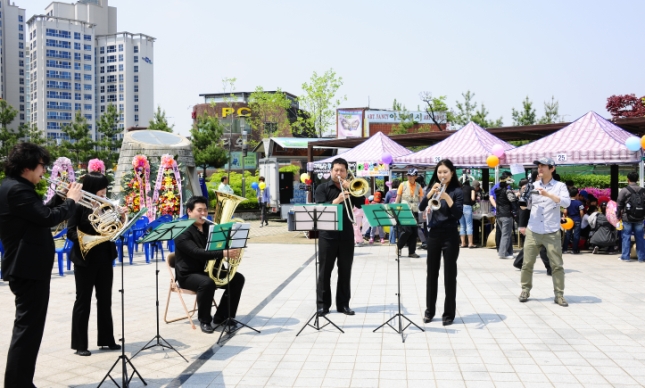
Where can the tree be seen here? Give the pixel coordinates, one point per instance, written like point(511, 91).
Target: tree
point(624, 106)
point(550, 112)
point(8, 138)
point(34, 135)
point(159, 121)
point(437, 109)
point(269, 113)
point(7, 113)
point(467, 112)
point(109, 142)
point(480, 118)
point(80, 146)
point(320, 101)
point(206, 141)
point(525, 116)
point(406, 119)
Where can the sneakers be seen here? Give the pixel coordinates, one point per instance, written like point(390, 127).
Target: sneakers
point(371, 241)
point(561, 301)
point(595, 250)
point(509, 257)
point(382, 241)
point(524, 296)
point(414, 255)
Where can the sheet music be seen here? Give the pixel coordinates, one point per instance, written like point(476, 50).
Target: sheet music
point(327, 217)
point(239, 235)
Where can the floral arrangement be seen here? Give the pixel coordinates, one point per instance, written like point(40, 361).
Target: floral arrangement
point(167, 194)
point(62, 170)
point(96, 165)
point(598, 192)
point(136, 186)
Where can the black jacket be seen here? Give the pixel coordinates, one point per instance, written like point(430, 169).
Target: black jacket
point(327, 193)
point(446, 217)
point(25, 229)
point(104, 251)
point(190, 252)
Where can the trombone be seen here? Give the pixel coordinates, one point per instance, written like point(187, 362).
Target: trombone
point(358, 187)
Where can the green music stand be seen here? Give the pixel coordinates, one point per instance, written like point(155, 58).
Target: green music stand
point(163, 232)
point(230, 235)
point(389, 215)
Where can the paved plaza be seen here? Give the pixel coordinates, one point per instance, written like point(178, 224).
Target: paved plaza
point(495, 341)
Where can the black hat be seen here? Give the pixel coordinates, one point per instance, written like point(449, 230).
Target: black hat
point(412, 172)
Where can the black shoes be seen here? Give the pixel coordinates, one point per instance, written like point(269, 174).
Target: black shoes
point(447, 321)
point(322, 311)
point(346, 310)
point(414, 255)
point(111, 347)
point(83, 353)
point(206, 327)
point(427, 318)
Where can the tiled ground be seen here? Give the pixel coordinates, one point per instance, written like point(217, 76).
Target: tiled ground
point(495, 341)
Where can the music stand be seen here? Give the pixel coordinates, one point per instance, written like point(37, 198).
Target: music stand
point(163, 232)
point(388, 215)
point(125, 380)
point(230, 235)
point(316, 218)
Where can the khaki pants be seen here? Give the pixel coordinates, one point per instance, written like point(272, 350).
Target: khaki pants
point(552, 243)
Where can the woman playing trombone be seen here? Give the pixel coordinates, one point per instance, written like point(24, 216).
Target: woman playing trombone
point(443, 237)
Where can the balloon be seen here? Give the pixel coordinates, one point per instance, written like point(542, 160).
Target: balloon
point(492, 161)
point(498, 150)
point(303, 177)
point(388, 183)
point(633, 143)
point(262, 185)
point(386, 158)
point(567, 224)
point(254, 185)
point(643, 141)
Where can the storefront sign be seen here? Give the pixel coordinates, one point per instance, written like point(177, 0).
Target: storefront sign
point(349, 124)
point(392, 117)
point(236, 161)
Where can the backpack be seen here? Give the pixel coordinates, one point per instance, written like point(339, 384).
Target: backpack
point(635, 205)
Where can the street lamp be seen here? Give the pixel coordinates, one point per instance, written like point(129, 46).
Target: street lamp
point(245, 149)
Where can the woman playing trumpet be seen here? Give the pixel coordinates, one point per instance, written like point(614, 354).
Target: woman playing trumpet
point(443, 237)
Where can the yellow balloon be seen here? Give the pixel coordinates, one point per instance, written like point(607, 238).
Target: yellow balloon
point(262, 185)
point(568, 224)
point(303, 177)
point(492, 161)
point(643, 141)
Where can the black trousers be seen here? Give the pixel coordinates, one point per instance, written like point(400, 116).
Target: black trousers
point(330, 250)
point(97, 275)
point(32, 299)
point(519, 260)
point(263, 213)
point(408, 236)
point(205, 289)
point(446, 242)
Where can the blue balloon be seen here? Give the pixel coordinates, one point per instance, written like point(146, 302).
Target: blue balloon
point(254, 185)
point(633, 143)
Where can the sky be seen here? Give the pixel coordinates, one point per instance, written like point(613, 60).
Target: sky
point(579, 52)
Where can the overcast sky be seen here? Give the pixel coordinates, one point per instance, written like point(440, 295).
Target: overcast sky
point(580, 52)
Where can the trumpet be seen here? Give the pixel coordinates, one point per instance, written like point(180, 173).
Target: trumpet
point(105, 218)
point(358, 187)
point(435, 201)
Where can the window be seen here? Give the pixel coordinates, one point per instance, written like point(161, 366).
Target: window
point(77, 46)
point(136, 108)
point(111, 89)
point(120, 47)
point(77, 106)
point(87, 67)
point(57, 43)
point(52, 125)
point(111, 49)
point(59, 95)
point(136, 69)
point(102, 99)
point(87, 77)
point(111, 69)
point(77, 86)
point(59, 85)
point(77, 97)
point(102, 51)
point(102, 70)
point(136, 78)
point(120, 77)
point(102, 108)
point(21, 37)
point(87, 97)
point(21, 27)
point(21, 45)
point(102, 79)
point(120, 107)
point(136, 118)
point(87, 106)
point(22, 107)
point(102, 89)
point(22, 98)
point(22, 90)
point(102, 60)
point(87, 87)
point(58, 64)
point(120, 57)
point(58, 33)
point(88, 116)
point(136, 98)
point(87, 37)
point(111, 58)
point(77, 56)
point(136, 59)
point(77, 66)
point(120, 97)
point(111, 78)
point(87, 47)
point(57, 105)
point(87, 57)
point(21, 63)
point(111, 98)
point(21, 54)
point(20, 18)
point(77, 76)
point(22, 81)
point(58, 74)
point(136, 88)
point(136, 49)
point(77, 35)
point(120, 66)
point(121, 88)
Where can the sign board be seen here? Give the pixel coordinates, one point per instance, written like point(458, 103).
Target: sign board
point(323, 170)
point(236, 161)
point(392, 117)
point(349, 124)
point(368, 169)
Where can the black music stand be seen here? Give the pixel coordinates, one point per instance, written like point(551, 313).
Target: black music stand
point(163, 232)
point(316, 218)
point(231, 235)
point(125, 379)
point(388, 215)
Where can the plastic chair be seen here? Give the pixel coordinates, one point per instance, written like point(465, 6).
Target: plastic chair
point(118, 248)
point(137, 231)
point(65, 249)
point(157, 245)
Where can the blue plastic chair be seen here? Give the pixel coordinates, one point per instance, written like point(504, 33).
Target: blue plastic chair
point(66, 249)
point(158, 245)
point(137, 231)
point(118, 243)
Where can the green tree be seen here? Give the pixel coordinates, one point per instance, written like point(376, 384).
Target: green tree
point(406, 122)
point(34, 135)
point(525, 116)
point(437, 109)
point(480, 118)
point(80, 146)
point(320, 102)
point(269, 113)
point(8, 138)
point(159, 122)
point(206, 141)
point(7, 113)
point(467, 112)
point(550, 112)
point(108, 139)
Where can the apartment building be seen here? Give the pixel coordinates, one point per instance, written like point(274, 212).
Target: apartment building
point(13, 71)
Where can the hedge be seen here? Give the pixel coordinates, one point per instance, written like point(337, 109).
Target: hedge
point(235, 181)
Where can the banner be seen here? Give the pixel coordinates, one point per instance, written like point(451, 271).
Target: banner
point(369, 169)
point(349, 124)
point(323, 170)
point(392, 117)
point(236, 161)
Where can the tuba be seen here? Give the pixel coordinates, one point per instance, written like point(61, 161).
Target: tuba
point(358, 187)
point(224, 209)
point(105, 217)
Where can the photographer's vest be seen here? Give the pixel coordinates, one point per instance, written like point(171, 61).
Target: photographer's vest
point(409, 197)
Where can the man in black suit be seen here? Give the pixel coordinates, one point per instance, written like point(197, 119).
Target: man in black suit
point(25, 231)
point(191, 257)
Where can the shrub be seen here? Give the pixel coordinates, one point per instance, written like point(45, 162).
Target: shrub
point(597, 181)
point(235, 181)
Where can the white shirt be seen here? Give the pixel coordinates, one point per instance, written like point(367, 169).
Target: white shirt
point(545, 213)
point(225, 188)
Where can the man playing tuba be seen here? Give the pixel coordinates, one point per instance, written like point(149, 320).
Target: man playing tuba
point(191, 256)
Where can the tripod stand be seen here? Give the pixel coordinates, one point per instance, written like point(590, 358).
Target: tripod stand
point(228, 236)
point(388, 215)
point(125, 379)
point(163, 232)
point(316, 218)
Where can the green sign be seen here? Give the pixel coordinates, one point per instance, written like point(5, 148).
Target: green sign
point(236, 161)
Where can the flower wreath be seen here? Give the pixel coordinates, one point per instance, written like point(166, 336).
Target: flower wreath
point(62, 170)
point(96, 165)
point(141, 168)
point(167, 195)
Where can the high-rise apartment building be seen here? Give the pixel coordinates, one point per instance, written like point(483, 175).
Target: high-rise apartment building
point(13, 72)
point(79, 62)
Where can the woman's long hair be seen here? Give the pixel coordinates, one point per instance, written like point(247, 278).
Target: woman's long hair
point(454, 181)
point(94, 181)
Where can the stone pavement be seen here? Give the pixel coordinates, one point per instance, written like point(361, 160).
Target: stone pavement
point(597, 341)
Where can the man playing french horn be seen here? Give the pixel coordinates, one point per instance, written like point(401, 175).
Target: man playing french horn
point(191, 257)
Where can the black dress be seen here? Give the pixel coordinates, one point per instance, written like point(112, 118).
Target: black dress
point(92, 272)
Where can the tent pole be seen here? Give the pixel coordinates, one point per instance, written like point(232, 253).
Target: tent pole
point(497, 174)
point(613, 181)
point(640, 170)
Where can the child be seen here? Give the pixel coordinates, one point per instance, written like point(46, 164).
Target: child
point(377, 199)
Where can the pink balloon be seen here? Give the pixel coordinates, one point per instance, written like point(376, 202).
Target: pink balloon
point(498, 150)
point(386, 158)
point(388, 183)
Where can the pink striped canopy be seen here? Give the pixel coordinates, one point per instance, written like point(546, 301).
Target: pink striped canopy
point(589, 140)
point(467, 147)
point(372, 150)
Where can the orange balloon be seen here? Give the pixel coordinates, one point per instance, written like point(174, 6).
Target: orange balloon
point(643, 141)
point(492, 161)
point(568, 224)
